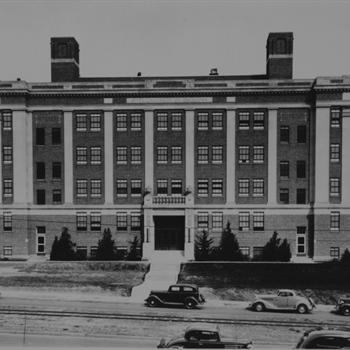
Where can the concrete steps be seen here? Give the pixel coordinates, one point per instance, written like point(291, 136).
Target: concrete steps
point(164, 271)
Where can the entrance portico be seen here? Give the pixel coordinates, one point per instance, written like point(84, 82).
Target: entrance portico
point(168, 225)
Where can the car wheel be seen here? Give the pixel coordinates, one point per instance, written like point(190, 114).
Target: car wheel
point(152, 302)
point(345, 310)
point(302, 309)
point(259, 307)
point(190, 304)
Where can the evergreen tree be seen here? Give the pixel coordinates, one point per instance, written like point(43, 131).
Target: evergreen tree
point(106, 249)
point(275, 251)
point(284, 253)
point(345, 258)
point(229, 246)
point(134, 249)
point(202, 246)
point(63, 248)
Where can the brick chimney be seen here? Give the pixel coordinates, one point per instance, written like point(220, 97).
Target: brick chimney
point(279, 56)
point(64, 59)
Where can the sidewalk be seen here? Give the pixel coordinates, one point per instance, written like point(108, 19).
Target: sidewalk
point(110, 298)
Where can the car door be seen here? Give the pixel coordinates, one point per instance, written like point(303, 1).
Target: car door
point(173, 294)
point(281, 301)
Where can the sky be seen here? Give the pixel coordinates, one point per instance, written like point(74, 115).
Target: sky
point(173, 38)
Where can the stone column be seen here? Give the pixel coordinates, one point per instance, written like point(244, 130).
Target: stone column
point(322, 155)
point(231, 157)
point(108, 157)
point(68, 158)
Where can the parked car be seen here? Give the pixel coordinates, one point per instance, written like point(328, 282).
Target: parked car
point(325, 338)
point(177, 294)
point(203, 336)
point(285, 299)
point(343, 306)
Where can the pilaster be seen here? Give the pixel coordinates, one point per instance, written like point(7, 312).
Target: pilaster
point(108, 151)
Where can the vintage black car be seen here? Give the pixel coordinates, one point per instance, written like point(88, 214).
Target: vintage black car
point(203, 336)
point(343, 306)
point(177, 294)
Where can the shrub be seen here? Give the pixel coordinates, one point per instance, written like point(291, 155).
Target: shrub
point(345, 258)
point(229, 246)
point(63, 248)
point(134, 249)
point(106, 249)
point(202, 246)
point(274, 251)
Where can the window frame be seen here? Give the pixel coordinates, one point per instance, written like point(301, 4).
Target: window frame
point(243, 188)
point(81, 155)
point(203, 187)
point(82, 188)
point(81, 221)
point(243, 221)
point(258, 221)
point(122, 188)
point(95, 221)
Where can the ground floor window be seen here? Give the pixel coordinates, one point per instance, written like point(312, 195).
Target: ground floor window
point(245, 251)
point(121, 252)
point(93, 252)
point(7, 250)
point(7, 221)
point(81, 252)
point(257, 252)
point(335, 252)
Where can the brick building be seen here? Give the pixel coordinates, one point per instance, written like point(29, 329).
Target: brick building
point(166, 157)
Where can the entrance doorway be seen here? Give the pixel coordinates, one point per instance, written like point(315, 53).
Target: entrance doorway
point(169, 232)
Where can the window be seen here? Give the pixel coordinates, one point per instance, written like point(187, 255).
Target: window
point(8, 190)
point(259, 120)
point(258, 187)
point(56, 170)
point(162, 155)
point(258, 221)
point(257, 252)
point(217, 120)
point(95, 223)
point(7, 221)
point(243, 154)
point(335, 254)
point(56, 136)
point(284, 195)
point(245, 251)
point(135, 188)
point(40, 170)
point(81, 188)
point(176, 121)
point(217, 154)
point(122, 157)
point(301, 134)
point(335, 221)
point(136, 155)
point(301, 196)
point(335, 152)
point(81, 252)
point(203, 220)
point(284, 135)
point(258, 154)
point(81, 221)
point(301, 169)
point(81, 155)
point(301, 230)
point(176, 187)
point(95, 122)
point(81, 121)
point(203, 188)
point(243, 187)
point(7, 154)
point(217, 218)
point(135, 221)
point(284, 169)
point(95, 155)
point(121, 252)
point(135, 121)
point(6, 121)
point(217, 187)
point(96, 188)
point(7, 250)
point(122, 221)
point(203, 154)
point(121, 122)
point(40, 197)
point(335, 187)
point(335, 118)
point(162, 187)
point(162, 121)
point(40, 137)
point(93, 252)
point(56, 197)
point(243, 218)
point(176, 155)
point(244, 120)
point(122, 188)
point(203, 121)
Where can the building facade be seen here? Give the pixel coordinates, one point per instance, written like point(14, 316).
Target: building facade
point(163, 158)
